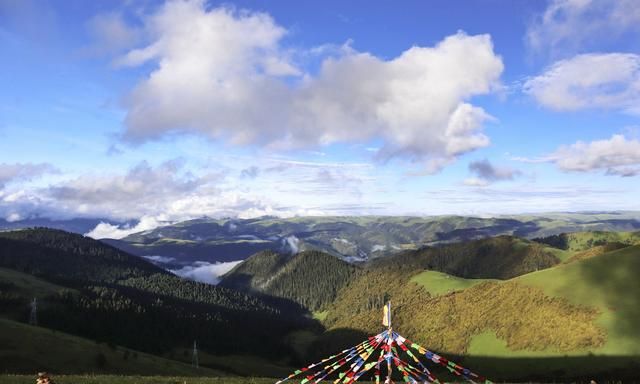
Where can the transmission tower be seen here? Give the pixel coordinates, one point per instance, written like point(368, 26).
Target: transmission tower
point(194, 357)
point(33, 317)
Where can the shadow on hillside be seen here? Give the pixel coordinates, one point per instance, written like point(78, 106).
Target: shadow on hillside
point(622, 290)
point(534, 369)
point(333, 341)
point(547, 369)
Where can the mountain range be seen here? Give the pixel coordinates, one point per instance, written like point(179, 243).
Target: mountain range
point(548, 304)
point(353, 239)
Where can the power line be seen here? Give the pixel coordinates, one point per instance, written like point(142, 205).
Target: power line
point(33, 317)
point(194, 356)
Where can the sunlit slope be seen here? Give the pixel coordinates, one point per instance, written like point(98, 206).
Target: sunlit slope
point(580, 307)
point(438, 283)
point(607, 282)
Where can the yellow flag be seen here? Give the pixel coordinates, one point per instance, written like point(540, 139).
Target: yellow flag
point(386, 315)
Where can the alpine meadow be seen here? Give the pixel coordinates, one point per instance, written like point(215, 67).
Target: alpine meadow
point(215, 192)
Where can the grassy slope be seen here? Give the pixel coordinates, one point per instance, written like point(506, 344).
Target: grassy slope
point(607, 282)
point(31, 286)
point(586, 310)
point(113, 379)
point(599, 289)
point(28, 285)
point(438, 283)
point(24, 348)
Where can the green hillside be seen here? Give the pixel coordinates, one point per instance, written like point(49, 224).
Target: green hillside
point(608, 283)
point(501, 257)
point(27, 285)
point(28, 349)
point(113, 297)
point(438, 283)
point(310, 278)
point(121, 379)
point(558, 319)
point(512, 308)
point(581, 241)
point(65, 256)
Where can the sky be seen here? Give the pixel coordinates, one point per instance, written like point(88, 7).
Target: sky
point(161, 111)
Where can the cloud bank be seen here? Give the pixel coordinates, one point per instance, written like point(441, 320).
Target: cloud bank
point(205, 272)
point(228, 75)
point(568, 26)
point(110, 231)
point(23, 172)
point(616, 156)
point(606, 81)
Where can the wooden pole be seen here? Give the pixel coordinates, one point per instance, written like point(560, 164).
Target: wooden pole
point(389, 343)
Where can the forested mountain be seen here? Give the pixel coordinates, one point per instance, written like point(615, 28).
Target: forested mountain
point(501, 257)
point(310, 278)
point(56, 255)
point(107, 295)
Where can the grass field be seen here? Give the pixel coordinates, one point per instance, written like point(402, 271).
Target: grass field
point(24, 348)
point(28, 285)
point(609, 283)
point(438, 283)
point(116, 379)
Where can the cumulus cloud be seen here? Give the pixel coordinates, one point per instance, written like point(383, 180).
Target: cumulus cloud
point(616, 156)
point(228, 75)
point(167, 192)
point(206, 272)
point(23, 172)
point(567, 26)
point(609, 81)
point(486, 173)
point(110, 231)
point(126, 195)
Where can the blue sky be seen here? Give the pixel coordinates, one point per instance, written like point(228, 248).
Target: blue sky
point(165, 111)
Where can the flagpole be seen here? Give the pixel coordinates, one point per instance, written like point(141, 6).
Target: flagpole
point(390, 342)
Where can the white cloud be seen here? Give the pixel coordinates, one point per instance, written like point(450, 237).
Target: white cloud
point(23, 172)
point(475, 182)
point(109, 231)
point(111, 34)
point(143, 190)
point(616, 156)
point(160, 259)
point(608, 81)
point(569, 26)
point(206, 272)
point(227, 75)
point(487, 173)
point(13, 217)
point(171, 191)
